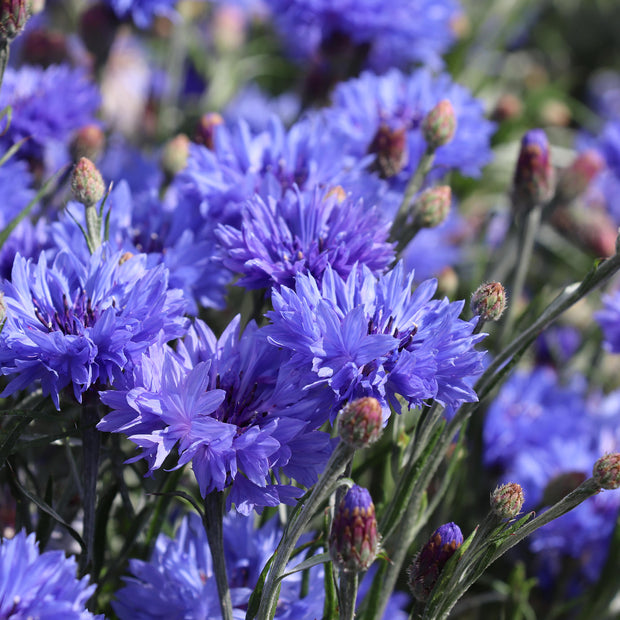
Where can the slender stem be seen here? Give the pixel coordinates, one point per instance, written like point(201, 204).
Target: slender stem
point(349, 582)
point(93, 228)
point(4, 58)
point(214, 527)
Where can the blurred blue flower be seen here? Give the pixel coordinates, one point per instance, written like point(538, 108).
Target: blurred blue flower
point(369, 336)
point(142, 12)
point(303, 233)
point(81, 324)
point(232, 414)
point(40, 585)
point(609, 320)
point(178, 580)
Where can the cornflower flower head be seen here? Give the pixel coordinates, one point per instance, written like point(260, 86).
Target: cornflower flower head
point(81, 324)
point(226, 408)
point(393, 34)
point(178, 579)
point(372, 336)
point(40, 585)
point(142, 12)
point(303, 233)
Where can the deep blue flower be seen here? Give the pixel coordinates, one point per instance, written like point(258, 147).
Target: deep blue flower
point(303, 234)
point(400, 102)
point(368, 336)
point(48, 106)
point(227, 409)
point(81, 324)
point(40, 585)
point(178, 580)
point(609, 320)
point(142, 12)
point(396, 33)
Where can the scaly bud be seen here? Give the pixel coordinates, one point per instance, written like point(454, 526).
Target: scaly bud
point(606, 471)
point(533, 180)
point(426, 567)
point(575, 179)
point(432, 206)
point(175, 154)
point(88, 141)
point(439, 125)
point(205, 131)
point(507, 500)
point(390, 147)
point(354, 541)
point(360, 422)
point(13, 17)
point(87, 183)
point(489, 301)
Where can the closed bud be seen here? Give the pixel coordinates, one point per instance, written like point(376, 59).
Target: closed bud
point(577, 177)
point(205, 131)
point(87, 183)
point(606, 471)
point(390, 147)
point(175, 154)
point(439, 125)
point(360, 422)
point(426, 567)
point(13, 17)
point(89, 142)
point(534, 178)
point(507, 500)
point(354, 541)
point(489, 301)
point(44, 47)
point(432, 206)
point(507, 108)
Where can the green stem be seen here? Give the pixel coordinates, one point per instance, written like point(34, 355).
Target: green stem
point(4, 59)
point(349, 583)
point(93, 228)
point(214, 527)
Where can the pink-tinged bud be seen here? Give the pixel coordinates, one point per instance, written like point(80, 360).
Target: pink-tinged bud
point(205, 131)
point(559, 487)
point(89, 142)
point(360, 422)
point(175, 154)
point(13, 17)
point(439, 125)
point(606, 471)
point(432, 206)
point(534, 178)
point(44, 48)
point(577, 177)
point(354, 541)
point(390, 147)
point(507, 108)
point(87, 183)
point(489, 301)
point(427, 565)
point(507, 500)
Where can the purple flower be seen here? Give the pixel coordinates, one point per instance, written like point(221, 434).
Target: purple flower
point(178, 580)
point(368, 336)
point(303, 233)
point(81, 324)
point(226, 408)
point(609, 320)
point(40, 585)
point(142, 11)
point(390, 34)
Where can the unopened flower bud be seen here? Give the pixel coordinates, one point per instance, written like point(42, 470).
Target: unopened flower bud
point(13, 17)
point(439, 125)
point(87, 183)
point(175, 154)
point(489, 301)
point(205, 131)
point(575, 179)
point(44, 47)
point(427, 565)
point(508, 107)
point(606, 471)
point(89, 142)
point(507, 500)
point(354, 541)
point(390, 147)
point(432, 206)
point(360, 422)
point(533, 180)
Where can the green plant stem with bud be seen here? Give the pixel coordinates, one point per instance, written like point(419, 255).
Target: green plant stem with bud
point(93, 228)
point(349, 583)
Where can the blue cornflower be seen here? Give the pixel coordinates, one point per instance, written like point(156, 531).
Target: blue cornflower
point(40, 585)
point(178, 580)
point(369, 336)
point(48, 106)
point(303, 234)
point(80, 324)
point(609, 320)
point(142, 12)
point(395, 33)
point(226, 408)
point(363, 106)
